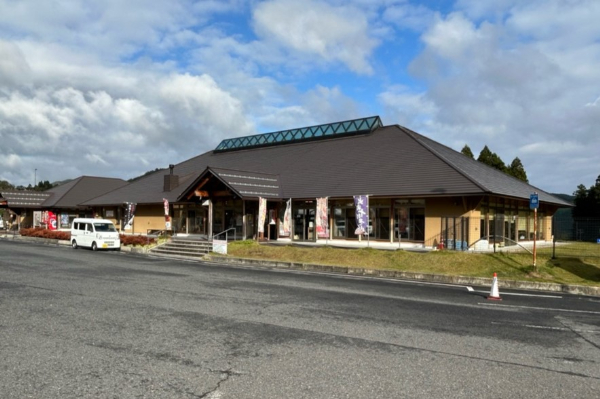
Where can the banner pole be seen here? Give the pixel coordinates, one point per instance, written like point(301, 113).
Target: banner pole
point(534, 238)
point(368, 223)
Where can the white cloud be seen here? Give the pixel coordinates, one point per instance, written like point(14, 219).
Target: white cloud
point(110, 28)
point(132, 91)
point(317, 106)
point(407, 108)
point(204, 107)
point(316, 28)
point(487, 86)
point(14, 69)
point(95, 132)
point(409, 16)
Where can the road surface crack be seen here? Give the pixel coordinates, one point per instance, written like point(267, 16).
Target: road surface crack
point(225, 376)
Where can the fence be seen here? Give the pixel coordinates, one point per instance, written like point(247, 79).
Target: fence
point(578, 237)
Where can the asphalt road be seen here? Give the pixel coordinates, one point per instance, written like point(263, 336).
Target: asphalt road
point(77, 323)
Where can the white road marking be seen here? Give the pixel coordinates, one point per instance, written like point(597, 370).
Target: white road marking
point(548, 328)
point(519, 294)
point(538, 308)
point(369, 277)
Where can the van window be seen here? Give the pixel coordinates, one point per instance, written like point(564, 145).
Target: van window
point(88, 227)
point(104, 227)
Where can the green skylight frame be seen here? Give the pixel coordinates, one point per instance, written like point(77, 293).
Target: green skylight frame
point(351, 127)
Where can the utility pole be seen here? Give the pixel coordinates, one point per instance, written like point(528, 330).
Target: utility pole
point(34, 178)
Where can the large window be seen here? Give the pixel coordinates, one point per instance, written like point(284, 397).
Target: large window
point(510, 221)
point(410, 219)
point(379, 219)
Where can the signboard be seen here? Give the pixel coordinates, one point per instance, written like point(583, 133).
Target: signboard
point(534, 202)
point(220, 246)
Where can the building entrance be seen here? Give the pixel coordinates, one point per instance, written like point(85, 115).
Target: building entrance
point(190, 219)
point(303, 214)
point(410, 222)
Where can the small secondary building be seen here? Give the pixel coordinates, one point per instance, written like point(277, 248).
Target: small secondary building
point(419, 190)
point(32, 208)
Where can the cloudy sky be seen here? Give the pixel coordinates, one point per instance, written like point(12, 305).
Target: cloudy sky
point(116, 88)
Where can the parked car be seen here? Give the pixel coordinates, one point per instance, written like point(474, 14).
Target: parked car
point(95, 234)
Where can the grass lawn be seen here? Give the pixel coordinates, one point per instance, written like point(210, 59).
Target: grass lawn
point(512, 266)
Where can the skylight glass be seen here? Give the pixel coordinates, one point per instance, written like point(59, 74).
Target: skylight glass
point(356, 126)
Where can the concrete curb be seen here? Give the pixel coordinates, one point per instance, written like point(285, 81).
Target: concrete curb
point(357, 271)
point(401, 275)
point(65, 243)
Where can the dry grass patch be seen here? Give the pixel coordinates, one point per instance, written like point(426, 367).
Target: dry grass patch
point(514, 266)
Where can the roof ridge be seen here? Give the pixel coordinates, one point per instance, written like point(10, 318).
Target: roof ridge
point(412, 135)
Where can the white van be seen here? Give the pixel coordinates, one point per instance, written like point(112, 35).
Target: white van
point(95, 234)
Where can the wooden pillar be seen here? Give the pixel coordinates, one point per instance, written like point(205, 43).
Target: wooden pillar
point(392, 219)
point(210, 219)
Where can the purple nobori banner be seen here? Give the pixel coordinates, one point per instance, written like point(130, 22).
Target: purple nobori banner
point(361, 202)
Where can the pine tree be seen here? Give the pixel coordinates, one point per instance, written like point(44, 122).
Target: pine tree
point(587, 201)
point(517, 170)
point(491, 159)
point(467, 151)
point(43, 186)
point(485, 156)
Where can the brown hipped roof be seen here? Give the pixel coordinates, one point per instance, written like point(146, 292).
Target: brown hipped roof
point(67, 195)
point(24, 198)
point(84, 188)
point(389, 161)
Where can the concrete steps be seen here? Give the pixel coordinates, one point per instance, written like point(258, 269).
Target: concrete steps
point(183, 248)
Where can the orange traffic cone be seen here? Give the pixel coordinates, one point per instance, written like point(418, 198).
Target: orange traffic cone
point(494, 293)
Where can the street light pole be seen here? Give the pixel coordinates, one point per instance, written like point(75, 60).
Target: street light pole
point(35, 178)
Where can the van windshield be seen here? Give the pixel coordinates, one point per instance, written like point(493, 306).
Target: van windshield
point(104, 227)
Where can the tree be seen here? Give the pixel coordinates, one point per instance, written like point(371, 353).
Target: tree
point(467, 152)
point(5, 185)
point(587, 201)
point(43, 186)
point(491, 159)
point(517, 170)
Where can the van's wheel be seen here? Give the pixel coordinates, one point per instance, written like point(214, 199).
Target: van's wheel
point(74, 244)
point(94, 246)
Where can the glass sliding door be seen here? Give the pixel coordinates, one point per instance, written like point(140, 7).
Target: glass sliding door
point(379, 219)
point(190, 219)
point(303, 215)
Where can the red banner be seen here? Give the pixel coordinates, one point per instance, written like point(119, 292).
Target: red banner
point(52, 223)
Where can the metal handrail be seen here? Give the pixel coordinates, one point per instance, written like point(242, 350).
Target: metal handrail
point(158, 232)
point(225, 231)
point(503, 238)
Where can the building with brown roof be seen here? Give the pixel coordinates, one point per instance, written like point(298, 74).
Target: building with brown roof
point(419, 190)
point(63, 200)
